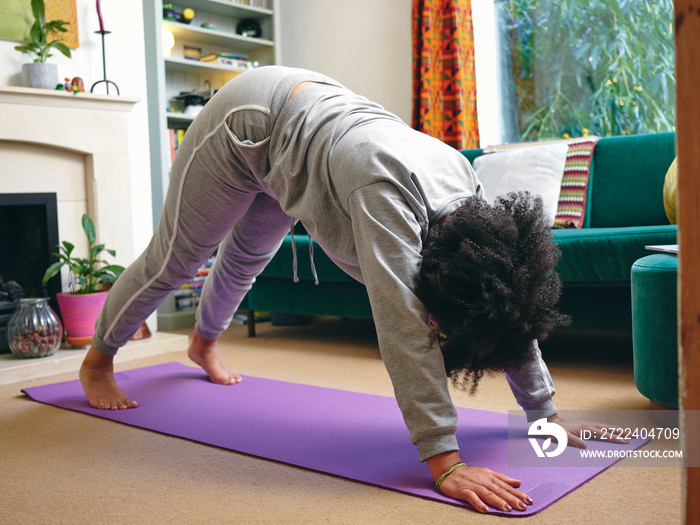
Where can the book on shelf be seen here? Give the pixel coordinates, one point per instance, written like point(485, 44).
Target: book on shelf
point(252, 3)
point(189, 294)
point(213, 56)
point(176, 138)
point(172, 139)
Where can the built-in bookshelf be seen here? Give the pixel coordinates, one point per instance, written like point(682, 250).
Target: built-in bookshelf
point(199, 57)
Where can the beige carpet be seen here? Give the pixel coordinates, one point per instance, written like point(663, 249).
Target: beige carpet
point(62, 467)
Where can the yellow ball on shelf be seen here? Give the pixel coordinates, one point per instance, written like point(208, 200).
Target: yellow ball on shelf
point(188, 14)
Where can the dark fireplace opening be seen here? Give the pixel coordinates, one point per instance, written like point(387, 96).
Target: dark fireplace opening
point(28, 239)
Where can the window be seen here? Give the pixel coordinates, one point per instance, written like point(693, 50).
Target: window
point(578, 67)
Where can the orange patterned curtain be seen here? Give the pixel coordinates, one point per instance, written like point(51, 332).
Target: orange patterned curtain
point(444, 82)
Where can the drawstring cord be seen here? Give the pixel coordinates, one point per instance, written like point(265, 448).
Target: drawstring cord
point(294, 252)
point(294, 255)
point(311, 256)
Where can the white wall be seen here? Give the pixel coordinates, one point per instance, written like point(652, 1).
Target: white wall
point(488, 100)
point(367, 45)
point(125, 66)
point(364, 44)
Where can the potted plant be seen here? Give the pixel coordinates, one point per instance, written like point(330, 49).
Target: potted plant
point(39, 73)
point(90, 278)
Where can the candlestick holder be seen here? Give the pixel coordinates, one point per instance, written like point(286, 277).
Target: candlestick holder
point(104, 65)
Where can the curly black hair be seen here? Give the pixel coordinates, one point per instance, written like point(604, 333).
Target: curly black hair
point(488, 279)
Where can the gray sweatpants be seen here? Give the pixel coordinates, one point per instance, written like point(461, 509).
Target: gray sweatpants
point(216, 198)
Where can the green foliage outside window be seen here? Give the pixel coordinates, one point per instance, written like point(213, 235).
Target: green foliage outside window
point(599, 67)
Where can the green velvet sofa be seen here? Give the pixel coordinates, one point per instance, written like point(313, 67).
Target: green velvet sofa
point(624, 213)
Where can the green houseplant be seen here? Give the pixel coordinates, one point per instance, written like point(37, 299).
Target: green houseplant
point(89, 280)
point(576, 67)
point(39, 73)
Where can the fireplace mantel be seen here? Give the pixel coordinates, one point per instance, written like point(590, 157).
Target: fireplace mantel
point(94, 128)
point(48, 97)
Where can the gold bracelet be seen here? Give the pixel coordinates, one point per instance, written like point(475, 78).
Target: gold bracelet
point(442, 478)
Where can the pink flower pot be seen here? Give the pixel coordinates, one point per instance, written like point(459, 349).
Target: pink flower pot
point(79, 312)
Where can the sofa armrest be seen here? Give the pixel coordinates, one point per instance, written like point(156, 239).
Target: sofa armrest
point(471, 154)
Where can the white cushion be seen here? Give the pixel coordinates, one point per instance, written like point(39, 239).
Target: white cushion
point(537, 169)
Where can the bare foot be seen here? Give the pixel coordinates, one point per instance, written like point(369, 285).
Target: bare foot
point(101, 389)
point(205, 353)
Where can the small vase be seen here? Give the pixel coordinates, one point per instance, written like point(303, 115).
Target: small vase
point(40, 75)
point(34, 329)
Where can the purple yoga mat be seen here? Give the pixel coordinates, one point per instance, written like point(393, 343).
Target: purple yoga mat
point(360, 437)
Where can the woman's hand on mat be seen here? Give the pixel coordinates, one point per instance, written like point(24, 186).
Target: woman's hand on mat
point(480, 487)
point(576, 429)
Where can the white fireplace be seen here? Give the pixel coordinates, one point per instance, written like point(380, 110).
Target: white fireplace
point(76, 146)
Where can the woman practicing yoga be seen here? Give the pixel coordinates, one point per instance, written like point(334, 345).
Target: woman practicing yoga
point(399, 211)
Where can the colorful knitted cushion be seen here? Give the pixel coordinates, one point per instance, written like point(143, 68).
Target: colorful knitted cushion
point(571, 208)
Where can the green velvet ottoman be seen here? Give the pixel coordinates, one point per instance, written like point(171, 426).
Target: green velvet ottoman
point(654, 328)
